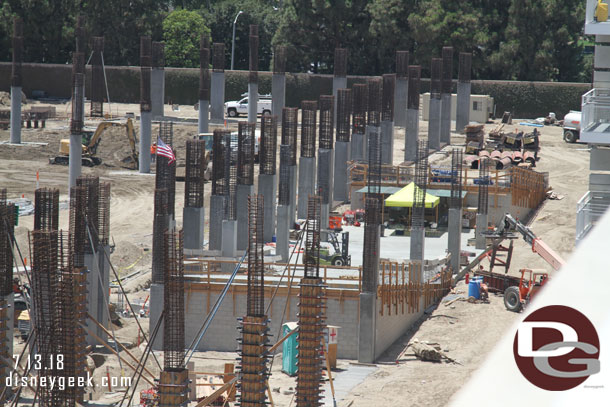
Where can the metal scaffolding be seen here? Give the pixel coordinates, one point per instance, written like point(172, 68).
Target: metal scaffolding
point(344, 111)
point(194, 180)
point(327, 108)
point(268, 145)
point(308, 128)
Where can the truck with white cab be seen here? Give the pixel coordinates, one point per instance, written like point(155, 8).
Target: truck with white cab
point(235, 108)
point(571, 126)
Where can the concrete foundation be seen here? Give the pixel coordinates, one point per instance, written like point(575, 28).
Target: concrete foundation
point(267, 187)
point(278, 94)
point(293, 172)
point(367, 327)
point(340, 191)
point(252, 96)
point(16, 114)
point(283, 231)
point(434, 124)
point(418, 243)
point(193, 220)
point(387, 142)
point(217, 203)
point(242, 192)
point(400, 102)
point(157, 92)
point(145, 135)
point(357, 147)
point(204, 116)
point(307, 182)
point(454, 240)
point(462, 113)
point(217, 96)
point(75, 159)
point(339, 82)
point(481, 227)
point(446, 118)
point(411, 134)
point(156, 307)
point(326, 159)
point(229, 238)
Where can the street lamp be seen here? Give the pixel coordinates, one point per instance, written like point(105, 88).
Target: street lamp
point(233, 44)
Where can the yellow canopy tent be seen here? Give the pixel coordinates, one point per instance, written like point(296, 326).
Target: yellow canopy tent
point(404, 198)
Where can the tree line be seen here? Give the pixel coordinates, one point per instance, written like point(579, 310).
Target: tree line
point(510, 39)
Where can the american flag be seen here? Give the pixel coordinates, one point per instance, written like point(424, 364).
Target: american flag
point(165, 151)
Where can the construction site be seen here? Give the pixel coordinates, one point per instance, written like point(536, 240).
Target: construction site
point(369, 247)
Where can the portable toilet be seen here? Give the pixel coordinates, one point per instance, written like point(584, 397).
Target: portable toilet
point(289, 349)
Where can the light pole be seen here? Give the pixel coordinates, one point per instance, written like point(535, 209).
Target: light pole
point(233, 43)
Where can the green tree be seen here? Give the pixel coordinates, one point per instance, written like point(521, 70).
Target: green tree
point(182, 30)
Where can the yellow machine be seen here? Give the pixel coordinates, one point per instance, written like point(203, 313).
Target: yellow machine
point(91, 141)
point(601, 12)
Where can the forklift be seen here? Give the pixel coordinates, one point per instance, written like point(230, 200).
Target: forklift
point(340, 256)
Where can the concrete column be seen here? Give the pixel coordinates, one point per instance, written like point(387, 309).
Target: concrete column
point(204, 116)
point(217, 96)
point(481, 227)
point(157, 91)
point(93, 298)
point(103, 292)
point(145, 136)
point(293, 194)
point(387, 142)
point(340, 187)
point(339, 82)
point(411, 135)
point(446, 118)
point(434, 123)
point(242, 192)
point(307, 182)
point(462, 117)
point(325, 166)
point(10, 332)
point(367, 327)
point(357, 147)
point(278, 94)
point(193, 220)
point(217, 203)
point(267, 187)
point(16, 114)
point(76, 158)
point(229, 238)
point(324, 216)
point(418, 243)
point(455, 237)
point(252, 96)
point(283, 232)
point(156, 307)
point(400, 102)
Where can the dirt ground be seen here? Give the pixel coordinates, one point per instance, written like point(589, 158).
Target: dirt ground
point(467, 332)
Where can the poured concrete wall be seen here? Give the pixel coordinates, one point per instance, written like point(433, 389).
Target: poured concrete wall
point(391, 327)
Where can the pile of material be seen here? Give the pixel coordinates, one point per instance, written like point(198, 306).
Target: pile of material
point(475, 133)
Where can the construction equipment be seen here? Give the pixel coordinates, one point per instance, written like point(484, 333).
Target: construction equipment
point(339, 256)
point(91, 141)
point(531, 281)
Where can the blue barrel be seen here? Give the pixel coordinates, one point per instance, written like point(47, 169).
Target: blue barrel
point(473, 289)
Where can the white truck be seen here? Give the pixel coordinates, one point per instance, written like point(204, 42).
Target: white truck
point(235, 108)
point(571, 126)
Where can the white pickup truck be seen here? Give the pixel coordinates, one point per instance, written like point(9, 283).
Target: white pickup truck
point(235, 108)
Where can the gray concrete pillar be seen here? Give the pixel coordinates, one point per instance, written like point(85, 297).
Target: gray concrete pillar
point(400, 102)
point(217, 203)
point(293, 172)
point(278, 94)
point(481, 227)
point(10, 332)
point(324, 215)
point(156, 308)
point(193, 220)
point(157, 92)
point(204, 116)
point(434, 123)
point(411, 135)
point(229, 238)
point(145, 136)
point(339, 82)
point(252, 101)
point(418, 243)
point(446, 118)
point(93, 298)
point(387, 142)
point(282, 247)
point(75, 159)
point(103, 292)
point(367, 327)
point(307, 183)
point(340, 187)
point(326, 159)
point(267, 187)
point(357, 147)
point(16, 114)
point(462, 114)
point(454, 238)
point(242, 192)
point(217, 97)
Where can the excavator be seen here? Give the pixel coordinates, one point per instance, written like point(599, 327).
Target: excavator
point(91, 140)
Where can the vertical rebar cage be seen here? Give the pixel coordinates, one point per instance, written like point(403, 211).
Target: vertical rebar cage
point(308, 128)
point(165, 177)
point(92, 191)
point(173, 301)
point(374, 158)
point(97, 78)
point(7, 234)
point(218, 161)
point(290, 117)
point(218, 57)
point(312, 237)
point(158, 54)
point(78, 224)
point(436, 73)
point(279, 60)
point(245, 153)
point(387, 100)
point(465, 67)
point(421, 182)
point(340, 63)
point(230, 172)
point(374, 102)
point(402, 64)
point(46, 209)
point(344, 111)
point(284, 186)
point(484, 181)
point(159, 227)
point(16, 76)
point(413, 92)
point(327, 103)
point(256, 265)
point(204, 68)
point(194, 173)
point(253, 42)
point(76, 121)
point(447, 81)
point(370, 253)
point(268, 145)
point(456, 178)
point(360, 106)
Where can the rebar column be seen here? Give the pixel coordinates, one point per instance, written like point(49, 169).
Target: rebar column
point(307, 161)
point(312, 315)
point(157, 79)
point(434, 111)
point(165, 175)
point(7, 235)
point(217, 200)
point(217, 98)
point(245, 179)
point(254, 332)
point(462, 114)
point(340, 77)
point(229, 222)
point(326, 157)
point(145, 104)
point(483, 204)
point(418, 235)
point(81, 49)
point(267, 178)
point(76, 130)
point(283, 208)
point(289, 137)
point(360, 94)
point(193, 214)
point(16, 81)
point(253, 75)
point(400, 94)
point(446, 88)
point(160, 226)
point(342, 145)
point(204, 84)
point(454, 239)
point(97, 78)
point(412, 126)
point(278, 81)
point(387, 119)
